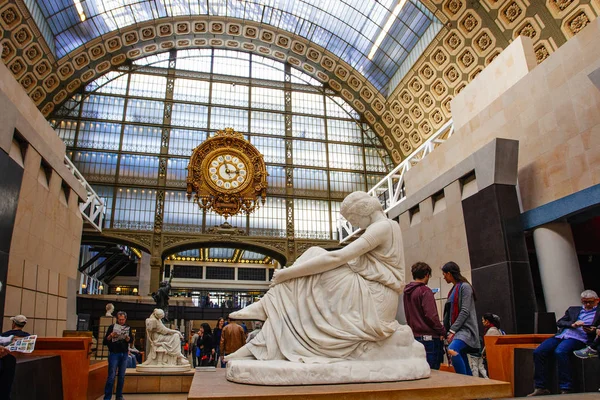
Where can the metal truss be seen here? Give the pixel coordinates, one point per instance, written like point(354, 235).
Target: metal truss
point(390, 190)
point(92, 208)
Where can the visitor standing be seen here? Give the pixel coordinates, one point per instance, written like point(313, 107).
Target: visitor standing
point(232, 339)
point(422, 315)
point(460, 319)
point(117, 339)
point(194, 341)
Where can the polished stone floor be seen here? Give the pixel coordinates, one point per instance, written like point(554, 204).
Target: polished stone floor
point(575, 396)
point(163, 396)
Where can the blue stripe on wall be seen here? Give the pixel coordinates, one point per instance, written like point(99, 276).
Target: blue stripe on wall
point(561, 208)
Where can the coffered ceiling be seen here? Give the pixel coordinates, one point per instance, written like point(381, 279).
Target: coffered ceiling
point(329, 40)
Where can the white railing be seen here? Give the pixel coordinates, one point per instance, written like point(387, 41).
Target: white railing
point(93, 208)
point(391, 188)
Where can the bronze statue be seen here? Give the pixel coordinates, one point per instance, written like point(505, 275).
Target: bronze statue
point(161, 296)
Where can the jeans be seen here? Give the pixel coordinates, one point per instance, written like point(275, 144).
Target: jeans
point(131, 361)
point(460, 362)
point(561, 349)
point(115, 361)
point(194, 358)
point(434, 350)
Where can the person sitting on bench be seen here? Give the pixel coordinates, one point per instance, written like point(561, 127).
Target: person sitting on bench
point(573, 335)
point(590, 351)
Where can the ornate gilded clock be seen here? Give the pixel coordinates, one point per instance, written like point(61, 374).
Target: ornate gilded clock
point(227, 174)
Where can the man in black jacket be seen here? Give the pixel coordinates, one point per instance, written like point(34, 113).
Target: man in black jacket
point(18, 323)
point(117, 339)
point(574, 332)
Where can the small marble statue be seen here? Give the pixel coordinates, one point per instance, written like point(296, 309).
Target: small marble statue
point(165, 347)
point(109, 310)
point(331, 317)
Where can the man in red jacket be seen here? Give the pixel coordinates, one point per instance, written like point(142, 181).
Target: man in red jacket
point(422, 315)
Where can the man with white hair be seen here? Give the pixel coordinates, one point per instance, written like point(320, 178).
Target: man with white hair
point(575, 331)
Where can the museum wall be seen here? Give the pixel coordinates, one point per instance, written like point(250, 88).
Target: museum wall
point(553, 111)
point(436, 234)
point(44, 248)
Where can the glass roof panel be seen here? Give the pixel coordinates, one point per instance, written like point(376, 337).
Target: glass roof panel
point(251, 255)
point(224, 253)
point(347, 28)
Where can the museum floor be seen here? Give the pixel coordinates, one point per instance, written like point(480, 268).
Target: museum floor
point(161, 396)
point(575, 396)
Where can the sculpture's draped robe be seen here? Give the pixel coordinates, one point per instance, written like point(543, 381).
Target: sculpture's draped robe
point(333, 316)
point(161, 337)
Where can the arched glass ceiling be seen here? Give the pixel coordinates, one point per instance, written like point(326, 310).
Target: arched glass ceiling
point(218, 254)
point(347, 28)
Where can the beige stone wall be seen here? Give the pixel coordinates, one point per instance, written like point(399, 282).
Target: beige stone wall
point(44, 251)
point(435, 236)
point(554, 113)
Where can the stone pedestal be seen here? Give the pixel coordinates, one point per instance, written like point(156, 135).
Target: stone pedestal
point(441, 385)
point(157, 381)
point(280, 372)
point(101, 349)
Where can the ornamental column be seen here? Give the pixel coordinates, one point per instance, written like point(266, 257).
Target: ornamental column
point(559, 267)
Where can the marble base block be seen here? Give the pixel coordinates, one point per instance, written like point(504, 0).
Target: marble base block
point(157, 381)
point(163, 368)
point(440, 385)
point(278, 373)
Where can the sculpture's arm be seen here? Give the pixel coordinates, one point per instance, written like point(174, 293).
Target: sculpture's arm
point(163, 330)
point(334, 259)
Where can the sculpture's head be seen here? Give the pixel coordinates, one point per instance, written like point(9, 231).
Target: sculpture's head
point(158, 313)
point(358, 207)
point(110, 308)
point(163, 284)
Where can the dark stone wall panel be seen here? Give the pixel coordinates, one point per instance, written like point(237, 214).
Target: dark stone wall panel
point(10, 187)
point(499, 262)
point(494, 292)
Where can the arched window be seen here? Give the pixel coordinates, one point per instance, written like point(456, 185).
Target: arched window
point(125, 123)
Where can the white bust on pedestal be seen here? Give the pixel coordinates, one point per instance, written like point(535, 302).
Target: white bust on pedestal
point(165, 347)
point(331, 317)
point(109, 310)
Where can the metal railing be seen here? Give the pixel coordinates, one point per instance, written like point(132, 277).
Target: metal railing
point(390, 190)
point(92, 208)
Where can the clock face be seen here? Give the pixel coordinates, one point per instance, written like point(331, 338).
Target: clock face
point(227, 171)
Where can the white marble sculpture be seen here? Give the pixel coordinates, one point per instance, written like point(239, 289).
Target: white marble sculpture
point(165, 347)
point(109, 310)
point(330, 318)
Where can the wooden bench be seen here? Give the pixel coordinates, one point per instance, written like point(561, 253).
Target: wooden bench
point(501, 357)
point(37, 378)
point(77, 370)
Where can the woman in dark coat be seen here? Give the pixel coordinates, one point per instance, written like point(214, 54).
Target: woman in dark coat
point(205, 347)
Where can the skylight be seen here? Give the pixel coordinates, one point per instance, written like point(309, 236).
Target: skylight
point(347, 28)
